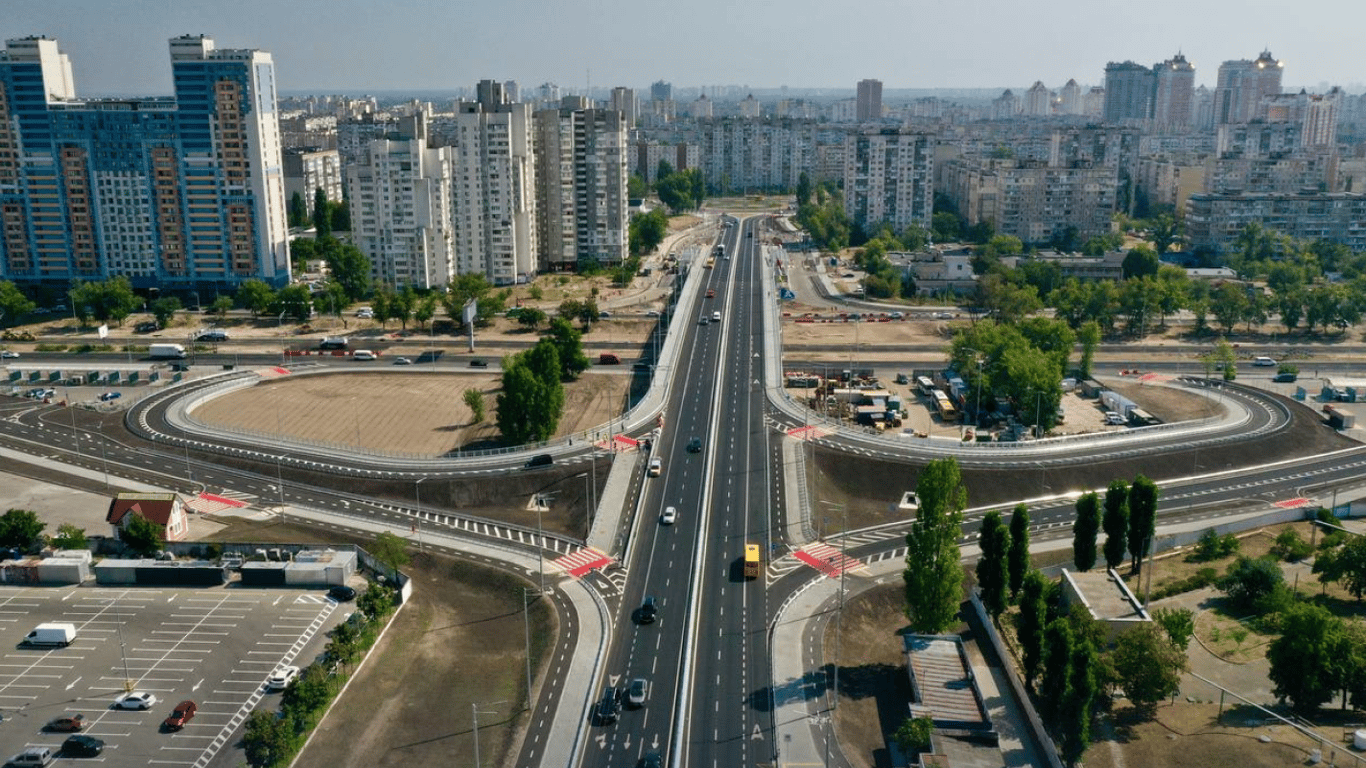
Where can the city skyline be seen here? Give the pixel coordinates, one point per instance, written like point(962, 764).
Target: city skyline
point(413, 45)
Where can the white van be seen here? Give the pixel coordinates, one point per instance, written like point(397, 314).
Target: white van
point(52, 634)
point(363, 354)
point(656, 467)
point(1263, 362)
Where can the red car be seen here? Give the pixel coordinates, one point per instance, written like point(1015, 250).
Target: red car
point(68, 724)
point(184, 712)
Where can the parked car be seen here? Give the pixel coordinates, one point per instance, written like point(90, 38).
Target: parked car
point(82, 746)
point(146, 327)
point(341, 593)
point(1113, 419)
point(67, 724)
point(669, 517)
point(33, 756)
point(136, 700)
point(107, 396)
point(281, 678)
point(182, 714)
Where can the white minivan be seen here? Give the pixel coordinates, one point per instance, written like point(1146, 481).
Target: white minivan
point(362, 354)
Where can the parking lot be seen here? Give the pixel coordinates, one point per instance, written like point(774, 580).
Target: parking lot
point(214, 646)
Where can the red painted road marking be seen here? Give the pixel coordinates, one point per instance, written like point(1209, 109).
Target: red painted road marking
point(808, 432)
point(222, 500)
point(581, 562)
point(827, 559)
point(1294, 503)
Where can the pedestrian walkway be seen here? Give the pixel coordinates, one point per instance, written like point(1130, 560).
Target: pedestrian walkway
point(209, 503)
point(580, 562)
point(828, 560)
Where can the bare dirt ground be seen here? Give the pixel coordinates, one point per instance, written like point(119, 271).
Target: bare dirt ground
point(413, 413)
point(447, 649)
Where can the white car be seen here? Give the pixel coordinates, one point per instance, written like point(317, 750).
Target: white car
point(281, 678)
point(669, 517)
point(362, 354)
point(1263, 362)
point(656, 467)
point(136, 700)
point(1114, 419)
point(402, 361)
point(8, 355)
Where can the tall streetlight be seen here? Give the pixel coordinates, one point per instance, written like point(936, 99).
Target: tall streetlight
point(526, 628)
point(474, 710)
point(839, 619)
point(417, 491)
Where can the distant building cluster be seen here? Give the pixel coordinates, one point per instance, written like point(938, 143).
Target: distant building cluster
point(191, 191)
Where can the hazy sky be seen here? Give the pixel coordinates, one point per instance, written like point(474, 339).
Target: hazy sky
point(119, 46)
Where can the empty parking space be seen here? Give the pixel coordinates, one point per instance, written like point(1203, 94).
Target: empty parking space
point(212, 646)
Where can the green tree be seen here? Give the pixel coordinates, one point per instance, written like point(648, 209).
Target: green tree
point(1084, 531)
point(913, 735)
point(164, 310)
point(1147, 665)
point(220, 306)
point(1116, 522)
point(390, 549)
point(1178, 623)
point(1228, 303)
point(1029, 625)
point(991, 568)
point(109, 301)
point(531, 317)
point(21, 528)
point(1166, 230)
point(255, 295)
point(401, 306)
point(322, 216)
point(1089, 335)
point(298, 210)
point(636, 187)
point(1057, 667)
point(13, 303)
point(267, 740)
point(1075, 720)
point(348, 267)
point(933, 575)
point(647, 231)
point(532, 400)
point(293, 301)
point(1345, 565)
point(1003, 245)
point(425, 310)
point(569, 343)
point(141, 535)
point(946, 226)
point(1140, 262)
point(1142, 519)
point(1017, 562)
point(70, 536)
point(1251, 581)
point(474, 400)
point(803, 189)
point(1305, 659)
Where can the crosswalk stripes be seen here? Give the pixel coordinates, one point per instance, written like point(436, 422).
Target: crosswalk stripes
point(208, 503)
point(828, 560)
point(1295, 503)
point(580, 562)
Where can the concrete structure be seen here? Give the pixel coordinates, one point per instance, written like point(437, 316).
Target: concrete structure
point(944, 687)
point(889, 177)
point(1038, 100)
point(174, 193)
point(749, 107)
point(1170, 180)
point(1215, 220)
point(1070, 99)
point(939, 271)
point(1031, 200)
point(869, 100)
point(624, 100)
point(401, 207)
point(493, 181)
point(581, 204)
point(308, 169)
point(166, 510)
point(1005, 106)
point(701, 108)
point(755, 154)
point(644, 158)
point(1106, 597)
point(1241, 86)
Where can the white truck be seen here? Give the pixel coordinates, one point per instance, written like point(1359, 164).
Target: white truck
point(166, 351)
point(52, 634)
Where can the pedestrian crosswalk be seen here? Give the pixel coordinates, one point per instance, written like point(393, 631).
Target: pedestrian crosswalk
point(209, 503)
point(581, 562)
point(809, 432)
point(1295, 503)
point(828, 560)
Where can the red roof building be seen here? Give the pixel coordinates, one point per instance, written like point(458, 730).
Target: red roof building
point(164, 509)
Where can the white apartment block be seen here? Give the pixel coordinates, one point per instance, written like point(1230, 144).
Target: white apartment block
point(889, 178)
point(756, 153)
point(493, 183)
point(309, 169)
point(581, 203)
point(401, 207)
point(1031, 200)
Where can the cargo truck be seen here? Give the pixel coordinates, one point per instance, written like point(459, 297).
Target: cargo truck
point(52, 634)
point(166, 351)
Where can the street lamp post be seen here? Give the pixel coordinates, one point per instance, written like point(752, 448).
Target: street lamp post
point(526, 629)
point(417, 491)
point(839, 620)
point(474, 710)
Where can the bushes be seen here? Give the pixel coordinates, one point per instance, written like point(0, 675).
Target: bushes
point(1212, 546)
point(1290, 546)
point(1202, 578)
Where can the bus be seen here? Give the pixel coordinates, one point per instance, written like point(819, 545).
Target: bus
point(751, 561)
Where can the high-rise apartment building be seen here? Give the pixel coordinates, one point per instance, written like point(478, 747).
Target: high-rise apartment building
point(401, 206)
point(624, 100)
point(179, 194)
point(493, 179)
point(1241, 86)
point(309, 169)
point(889, 178)
point(581, 203)
point(1070, 99)
point(661, 91)
point(1005, 107)
point(869, 100)
point(1038, 100)
point(1128, 92)
point(1173, 92)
